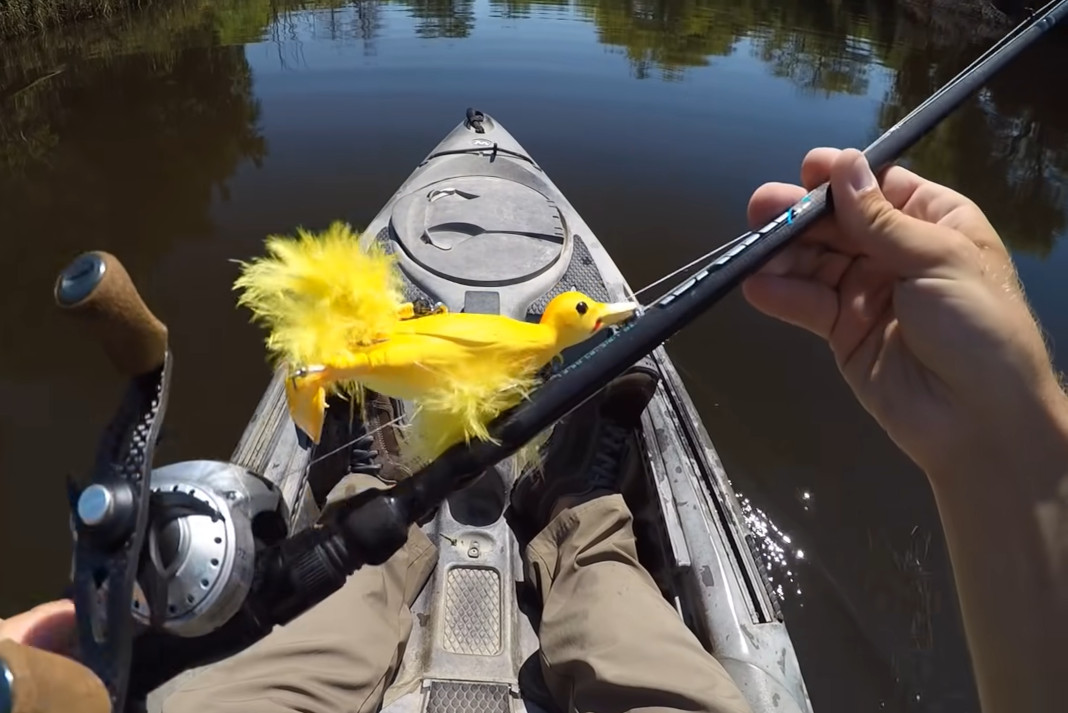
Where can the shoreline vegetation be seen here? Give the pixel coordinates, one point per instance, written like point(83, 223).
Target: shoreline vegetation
point(133, 128)
point(1003, 148)
point(29, 17)
point(971, 18)
point(19, 18)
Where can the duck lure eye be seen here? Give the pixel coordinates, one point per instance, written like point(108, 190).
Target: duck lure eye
point(582, 308)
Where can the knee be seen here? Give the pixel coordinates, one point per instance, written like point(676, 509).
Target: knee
point(186, 702)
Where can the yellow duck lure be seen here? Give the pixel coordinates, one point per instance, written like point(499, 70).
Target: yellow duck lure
point(337, 318)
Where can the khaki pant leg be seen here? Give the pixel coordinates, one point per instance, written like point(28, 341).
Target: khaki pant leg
point(610, 642)
point(338, 657)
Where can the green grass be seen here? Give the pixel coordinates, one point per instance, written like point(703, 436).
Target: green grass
point(25, 17)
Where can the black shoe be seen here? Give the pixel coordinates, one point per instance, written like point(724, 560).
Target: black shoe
point(590, 450)
point(382, 425)
point(372, 447)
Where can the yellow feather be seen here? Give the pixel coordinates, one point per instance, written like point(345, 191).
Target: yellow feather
point(336, 307)
point(320, 295)
point(461, 409)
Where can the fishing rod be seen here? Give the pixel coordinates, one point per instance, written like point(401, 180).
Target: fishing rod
point(212, 587)
point(679, 307)
point(373, 526)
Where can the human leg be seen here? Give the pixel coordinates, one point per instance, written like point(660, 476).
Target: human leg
point(609, 640)
point(338, 657)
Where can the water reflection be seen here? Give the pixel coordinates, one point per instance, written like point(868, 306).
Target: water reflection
point(442, 18)
point(1008, 150)
point(670, 35)
point(346, 23)
point(777, 550)
point(126, 150)
point(179, 138)
point(1009, 146)
point(72, 126)
point(665, 35)
point(818, 64)
point(163, 132)
point(525, 8)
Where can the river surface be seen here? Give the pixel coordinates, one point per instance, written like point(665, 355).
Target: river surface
point(179, 139)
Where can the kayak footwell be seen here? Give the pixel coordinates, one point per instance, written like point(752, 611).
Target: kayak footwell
point(479, 227)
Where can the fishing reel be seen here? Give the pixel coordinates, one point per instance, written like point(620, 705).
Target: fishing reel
point(208, 522)
point(184, 564)
point(191, 562)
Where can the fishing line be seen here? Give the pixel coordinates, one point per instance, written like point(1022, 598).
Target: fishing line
point(703, 259)
point(953, 84)
point(881, 152)
point(342, 447)
point(1030, 23)
point(735, 260)
point(632, 297)
point(682, 304)
point(629, 293)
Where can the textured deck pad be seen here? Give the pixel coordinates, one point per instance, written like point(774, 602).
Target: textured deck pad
point(465, 697)
point(581, 275)
point(412, 291)
point(472, 611)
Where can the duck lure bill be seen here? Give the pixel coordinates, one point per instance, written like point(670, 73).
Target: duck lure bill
point(680, 306)
point(114, 513)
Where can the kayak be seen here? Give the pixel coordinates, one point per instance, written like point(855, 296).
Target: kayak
point(479, 227)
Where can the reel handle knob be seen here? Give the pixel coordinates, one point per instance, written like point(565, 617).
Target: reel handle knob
point(38, 681)
point(96, 288)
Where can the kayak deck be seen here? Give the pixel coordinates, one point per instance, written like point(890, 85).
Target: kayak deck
point(480, 227)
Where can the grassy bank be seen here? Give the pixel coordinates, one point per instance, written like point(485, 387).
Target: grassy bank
point(23, 17)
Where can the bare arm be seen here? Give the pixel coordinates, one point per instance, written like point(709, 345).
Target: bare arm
point(1006, 525)
point(917, 297)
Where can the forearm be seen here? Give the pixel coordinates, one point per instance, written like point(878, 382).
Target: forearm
point(1005, 515)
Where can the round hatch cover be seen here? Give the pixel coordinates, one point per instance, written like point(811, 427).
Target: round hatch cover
point(480, 230)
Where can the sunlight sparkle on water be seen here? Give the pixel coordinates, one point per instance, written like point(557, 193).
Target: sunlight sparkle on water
point(775, 548)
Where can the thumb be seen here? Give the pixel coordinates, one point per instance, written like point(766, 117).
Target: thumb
point(49, 626)
point(900, 243)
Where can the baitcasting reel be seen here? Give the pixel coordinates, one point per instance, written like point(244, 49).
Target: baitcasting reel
point(185, 564)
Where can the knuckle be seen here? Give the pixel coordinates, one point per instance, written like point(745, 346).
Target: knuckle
point(959, 249)
point(971, 206)
point(883, 217)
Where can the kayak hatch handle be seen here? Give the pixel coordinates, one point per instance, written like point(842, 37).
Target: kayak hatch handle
point(680, 306)
point(37, 681)
point(96, 288)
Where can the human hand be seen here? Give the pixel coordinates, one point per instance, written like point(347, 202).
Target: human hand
point(48, 626)
point(919, 301)
point(35, 647)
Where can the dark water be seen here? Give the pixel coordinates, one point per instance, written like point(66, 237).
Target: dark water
point(178, 140)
